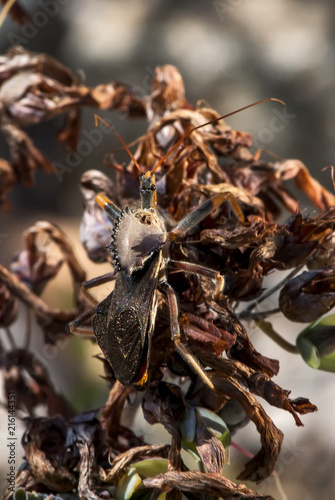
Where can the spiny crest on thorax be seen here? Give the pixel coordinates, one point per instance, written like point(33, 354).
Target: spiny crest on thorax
point(112, 246)
point(137, 234)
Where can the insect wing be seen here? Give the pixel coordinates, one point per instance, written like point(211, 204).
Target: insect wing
point(124, 322)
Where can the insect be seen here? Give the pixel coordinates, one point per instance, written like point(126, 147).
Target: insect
point(123, 323)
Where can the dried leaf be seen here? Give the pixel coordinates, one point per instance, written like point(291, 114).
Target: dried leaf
point(199, 483)
point(25, 375)
point(54, 448)
point(210, 449)
point(122, 461)
point(45, 449)
point(160, 405)
point(96, 227)
point(308, 296)
point(321, 198)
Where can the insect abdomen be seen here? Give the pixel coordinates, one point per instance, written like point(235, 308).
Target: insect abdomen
point(121, 342)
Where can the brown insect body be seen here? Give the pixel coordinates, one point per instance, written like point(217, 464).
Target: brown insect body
point(123, 322)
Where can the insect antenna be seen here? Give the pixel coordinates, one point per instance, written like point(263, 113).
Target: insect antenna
point(98, 118)
point(148, 195)
point(187, 134)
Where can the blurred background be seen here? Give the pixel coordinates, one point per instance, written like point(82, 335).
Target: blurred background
point(230, 54)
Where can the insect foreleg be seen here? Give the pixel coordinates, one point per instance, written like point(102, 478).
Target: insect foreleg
point(175, 335)
point(108, 206)
point(193, 218)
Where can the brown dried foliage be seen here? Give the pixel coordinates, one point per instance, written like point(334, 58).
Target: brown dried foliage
point(90, 452)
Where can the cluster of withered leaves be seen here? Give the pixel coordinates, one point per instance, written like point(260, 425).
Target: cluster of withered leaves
point(88, 454)
point(35, 88)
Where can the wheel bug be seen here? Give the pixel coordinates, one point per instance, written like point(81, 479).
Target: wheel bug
point(124, 321)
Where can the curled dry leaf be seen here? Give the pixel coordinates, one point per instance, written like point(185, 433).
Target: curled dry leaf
point(54, 448)
point(25, 157)
point(262, 464)
point(295, 169)
point(162, 404)
point(168, 92)
point(199, 483)
point(44, 445)
point(308, 296)
point(35, 88)
point(199, 330)
point(35, 266)
point(95, 227)
point(31, 265)
point(122, 461)
point(324, 254)
point(243, 349)
point(302, 239)
point(23, 293)
point(120, 438)
point(256, 382)
point(210, 449)
point(19, 59)
point(25, 375)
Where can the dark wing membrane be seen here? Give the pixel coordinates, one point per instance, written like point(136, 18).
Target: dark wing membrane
point(127, 350)
point(124, 322)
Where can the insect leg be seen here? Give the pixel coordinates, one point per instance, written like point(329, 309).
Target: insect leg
point(189, 267)
point(175, 335)
point(99, 280)
point(108, 206)
point(201, 212)
point(78, 326)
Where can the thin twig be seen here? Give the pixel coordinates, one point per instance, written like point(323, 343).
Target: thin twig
point(245, 314)
point(22, 292)
point(260, 315)
point(268, 329)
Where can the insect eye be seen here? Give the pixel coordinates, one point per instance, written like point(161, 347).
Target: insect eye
point(152, 187)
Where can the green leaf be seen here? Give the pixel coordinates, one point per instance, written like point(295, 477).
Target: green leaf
point(129, 486)
point(216, 425)
point(20, 494)
point(150, 467)
point(211, 420)
point(316, 344)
